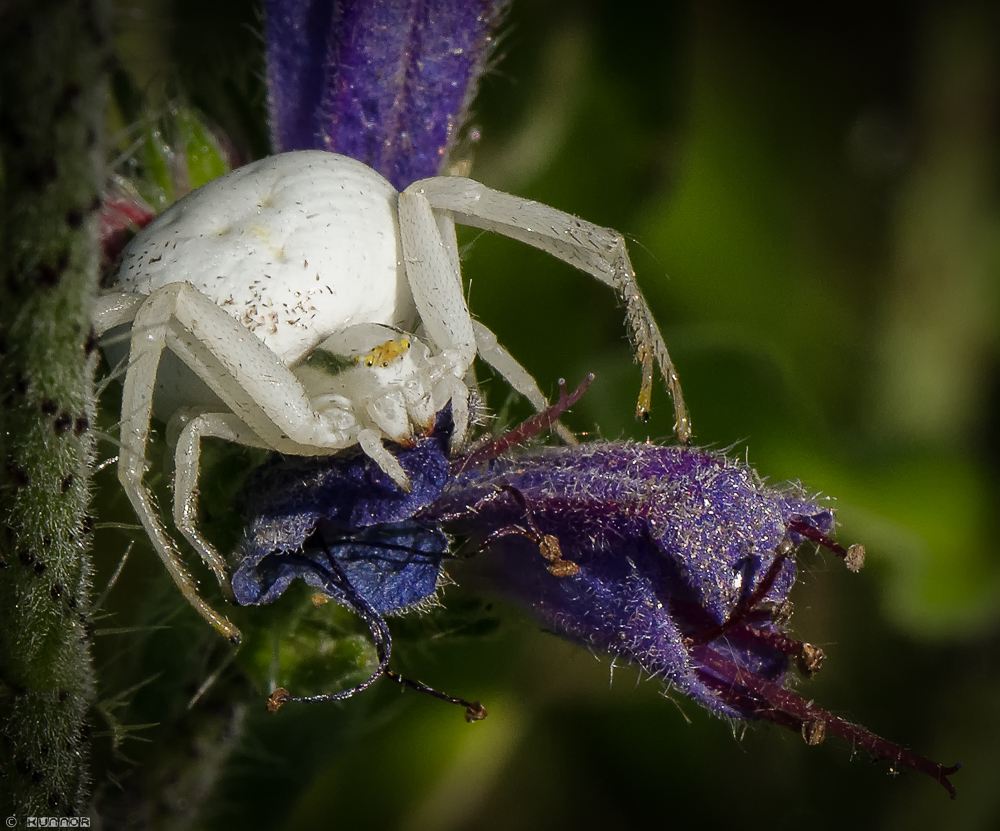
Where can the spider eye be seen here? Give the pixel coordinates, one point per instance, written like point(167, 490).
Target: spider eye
point(369, 362)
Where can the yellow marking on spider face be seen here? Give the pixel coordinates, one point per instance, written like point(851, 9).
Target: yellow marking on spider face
point(386, 353)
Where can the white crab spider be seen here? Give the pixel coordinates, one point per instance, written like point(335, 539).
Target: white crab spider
point(249, 281)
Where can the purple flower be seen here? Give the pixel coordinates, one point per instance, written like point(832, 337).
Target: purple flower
point(677, 559)
point(388, 83)
point(674, 552)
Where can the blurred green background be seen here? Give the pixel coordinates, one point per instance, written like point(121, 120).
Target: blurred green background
point(812, 200)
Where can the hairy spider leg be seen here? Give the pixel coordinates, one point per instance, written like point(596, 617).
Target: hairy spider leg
point(187, 461)
point(487, 346)
point(436, 286)
point(600, 252)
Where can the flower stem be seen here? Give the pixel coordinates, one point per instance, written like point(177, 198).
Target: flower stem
point(786, 708)
point(53, 58)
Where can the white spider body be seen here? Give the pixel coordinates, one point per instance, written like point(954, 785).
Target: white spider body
point(294, 249)
point(270, 307)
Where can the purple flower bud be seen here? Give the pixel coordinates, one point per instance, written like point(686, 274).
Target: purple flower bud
point(677, 551)
point(388, 83)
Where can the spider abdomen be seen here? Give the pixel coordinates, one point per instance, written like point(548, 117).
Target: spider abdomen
point(295, 247)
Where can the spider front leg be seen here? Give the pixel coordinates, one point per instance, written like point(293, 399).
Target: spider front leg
point(187, 463)
point(149, 335)
point(247, 377)
point(436, 287)
point(434, 274)
point(598, 251)
point(487, 346)
point(114, 308)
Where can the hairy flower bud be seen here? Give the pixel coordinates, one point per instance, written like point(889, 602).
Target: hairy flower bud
point(678, 551)
point(387, 83)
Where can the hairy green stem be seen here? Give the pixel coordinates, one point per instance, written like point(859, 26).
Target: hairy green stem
point(53, 61)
